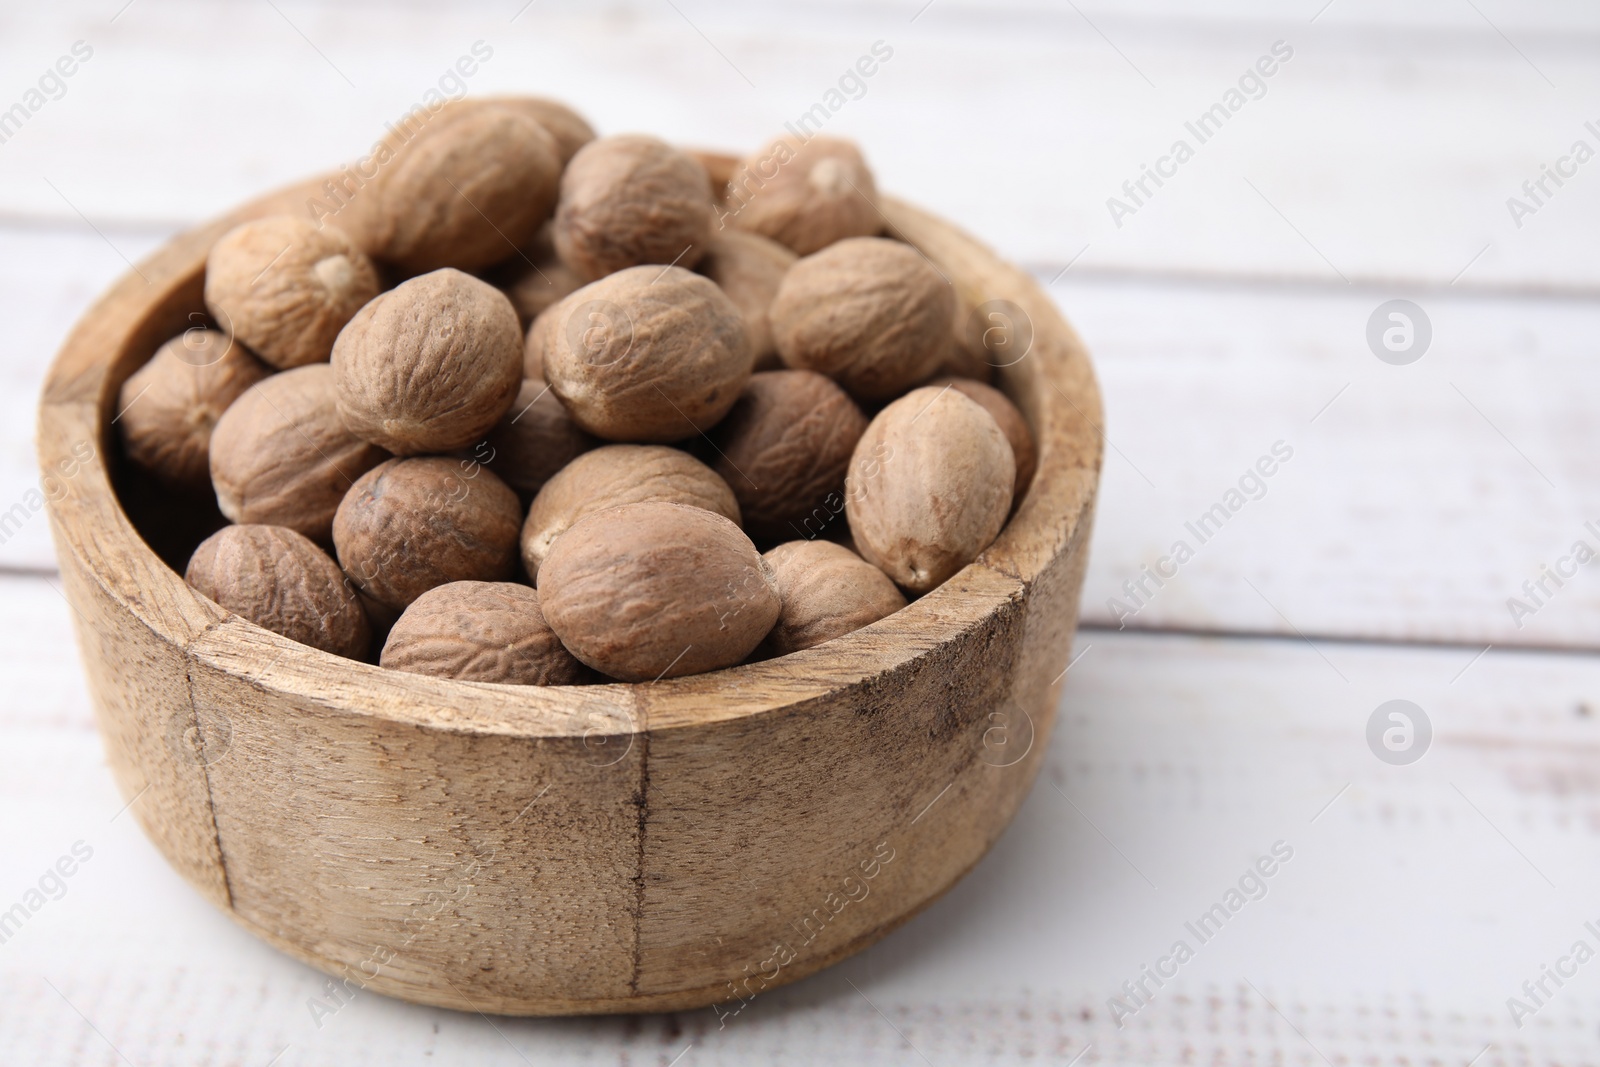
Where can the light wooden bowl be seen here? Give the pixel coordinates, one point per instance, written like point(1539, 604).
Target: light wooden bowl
point(612, 848)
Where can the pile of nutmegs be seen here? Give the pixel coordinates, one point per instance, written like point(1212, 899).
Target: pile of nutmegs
point(611, 372)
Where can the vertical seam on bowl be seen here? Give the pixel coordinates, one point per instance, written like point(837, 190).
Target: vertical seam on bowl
point(205, 768)
point(638, 873)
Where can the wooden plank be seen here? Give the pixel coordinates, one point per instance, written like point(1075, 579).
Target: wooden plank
point(1386, 147)
point(1415, 902)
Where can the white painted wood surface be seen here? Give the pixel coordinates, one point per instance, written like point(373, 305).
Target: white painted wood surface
point(1226, 314)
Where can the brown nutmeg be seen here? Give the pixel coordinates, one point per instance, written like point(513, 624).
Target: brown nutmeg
point(281, 454)
point(1007, 417)
point(929, 487)
point(279, 580)
point(646, 354)
point(870, 313)
point(629, 200)
point(168, 408)
point(749, 268)
point(805, 195)
point(720, 168)
point(570, 130)
point(409, 525)
point(827, 591)
point(784, 449)
point(466, 189)
point(430, 365)
point(535, 439)
point(480, 632)
point(286, 288)
point(657, 590)
point(614, 475)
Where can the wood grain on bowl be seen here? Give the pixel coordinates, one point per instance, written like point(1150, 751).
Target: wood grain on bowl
point(605, 848)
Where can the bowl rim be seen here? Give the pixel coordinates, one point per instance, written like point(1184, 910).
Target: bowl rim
point(121, 330)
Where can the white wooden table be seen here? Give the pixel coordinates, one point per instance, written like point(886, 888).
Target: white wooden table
point(1228, 314)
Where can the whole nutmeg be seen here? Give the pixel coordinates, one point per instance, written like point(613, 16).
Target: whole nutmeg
point(168, 407)
point(805, 195)
point(534, 279)
point(535, 439)
point(629, 200)
point(409, 525)
point(784, 449)
point(613, 475)
point(480, 632)
point(430, 365)
point(646, 354)
point(827, 591)
point(570, 130)
point(279, 580)
point(929, 487)
point(286, 288)
point(870, 313)
point(720, 168)
point(749, 268)
point(467, 189)
point(657, 590)
point(1007, 417)
point(281, 454)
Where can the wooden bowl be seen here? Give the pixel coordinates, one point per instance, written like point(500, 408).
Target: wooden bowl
point(609, 848)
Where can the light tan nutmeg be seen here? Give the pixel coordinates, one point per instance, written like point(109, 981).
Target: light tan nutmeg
point(409, 525)
point(430, 365)
point(466, 189)
point(629, 200)
point(784, 449)
point(804, 194)
point(286, 288)
point(657, 590)
point(279, 580)
point(613, 475)
point(1007, 417)
point(535, 439)
point(534, 279)
point(870, 313)
point(749, 268)
point(929, 487)
point(646, 354)
point(281, 454)
point(168, 407)
point(828, 591)
point(480, 632)
point(570, 130)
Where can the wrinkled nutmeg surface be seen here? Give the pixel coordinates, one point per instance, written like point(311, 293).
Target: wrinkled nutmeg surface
point(535, 439)
point(570, 130)
point(827, 592)
point(282, 455)
point(870, 313)
point(169, 407)
point(279, 580)
point(613, 475)
point(629, 200)
point(286, 288)
point(749, 268)
point(657, 590)
point(1007, 417)
point(430, 365)
point(467, 189)
point(929, 487)
point(480, 632)
point(409, 525)
point(647, 354)
point(805, 195)
point(784, 449)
